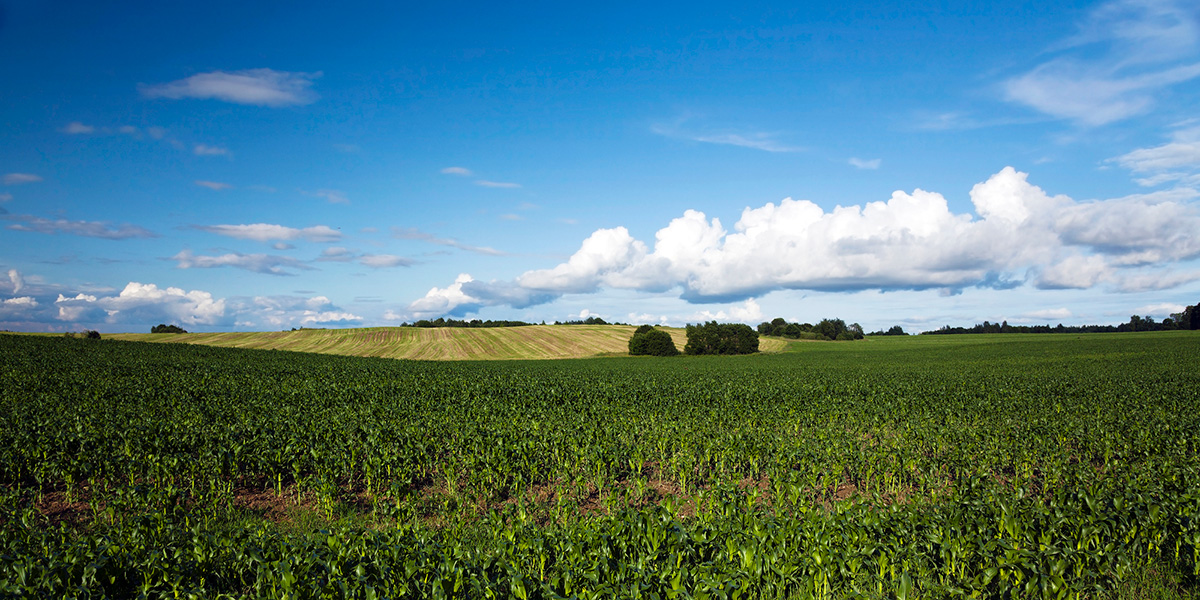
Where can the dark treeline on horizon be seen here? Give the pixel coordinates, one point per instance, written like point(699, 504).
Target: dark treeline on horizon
point(1188, 319)
point(476, 323)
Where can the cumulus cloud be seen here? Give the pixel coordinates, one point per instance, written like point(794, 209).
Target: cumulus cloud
point(257, 263)
point(20, 178)
point(448, 300)
point(412, 233)
point(143, 303)
point(912, 241)
point(287, 311)
point(206, 150)
point(216, 186)
point(259, 87)
point(1125, 54)
point(96, 229)
point(266, 232)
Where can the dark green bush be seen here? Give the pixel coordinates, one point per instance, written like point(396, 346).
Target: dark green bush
point(653, 342)
point(721, 338)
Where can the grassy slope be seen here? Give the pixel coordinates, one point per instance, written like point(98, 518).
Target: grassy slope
point(501, 343)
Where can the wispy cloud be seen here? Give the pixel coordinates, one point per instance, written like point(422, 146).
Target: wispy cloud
point(511, 217)
point(266, 232)
point(20, 178)
point(412, 233)
point(757, 140)
point(77, 128)
point(213, 185)
point(384, 261)
point(866, 164)
point(460, 171)
point(332, 196)
point(206, 150)
point(259, 87)
point(257, 263)
point(5, 197)
point(496, 184)
point(1125, 54)
point(347, 148)
point(96, 229)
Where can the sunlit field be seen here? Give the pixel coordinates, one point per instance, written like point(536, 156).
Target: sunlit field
point(1014, 466)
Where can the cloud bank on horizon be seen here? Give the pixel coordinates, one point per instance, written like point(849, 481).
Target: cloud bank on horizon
point(910, 242)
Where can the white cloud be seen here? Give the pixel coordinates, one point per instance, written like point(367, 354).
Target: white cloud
point(1161, 309)
point(1074, 272)
point(497, 184)
point(259, 87)
point(5, 197)
point(213, 185)
point(461, 171)
point(441, 301)
point(206, 150)
point(383, 261)
point(96, 229)
point(333, 196)
point(144, 303)
point(511, 217)
point(265, 232)
point(412, 233)
point(912, 241)
point(747, 312)
point(257, 263)
point(866, 164)
point(20, 178)
point(17, 282)
point(757, 140)
point(286, 311)
point(1176, 161)
point(1126, 54)
point(336, 254)
point(1048, 314)
point(77, 128)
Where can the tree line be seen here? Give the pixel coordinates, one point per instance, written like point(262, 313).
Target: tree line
point(826, 329)
point(1188, 318)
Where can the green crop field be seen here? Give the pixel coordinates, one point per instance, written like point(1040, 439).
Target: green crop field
point(500, 343)
point(982, 466)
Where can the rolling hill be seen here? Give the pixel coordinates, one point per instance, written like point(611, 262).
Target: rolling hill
point(501, 343)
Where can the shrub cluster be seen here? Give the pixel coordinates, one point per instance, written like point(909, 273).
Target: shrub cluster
point(721, 338)
point(164, 328)
point(648, 341)
point(827, 329)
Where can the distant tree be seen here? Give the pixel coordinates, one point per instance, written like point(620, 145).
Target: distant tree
point(653, 342)
point(721, 338)
point(643, 329)
point(92, 334)
point(164, 328)
point(830, 328)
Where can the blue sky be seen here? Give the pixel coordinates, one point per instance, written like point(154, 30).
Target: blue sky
point(223, 166)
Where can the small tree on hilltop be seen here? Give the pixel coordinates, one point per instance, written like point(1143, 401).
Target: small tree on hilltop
point(652, 342)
